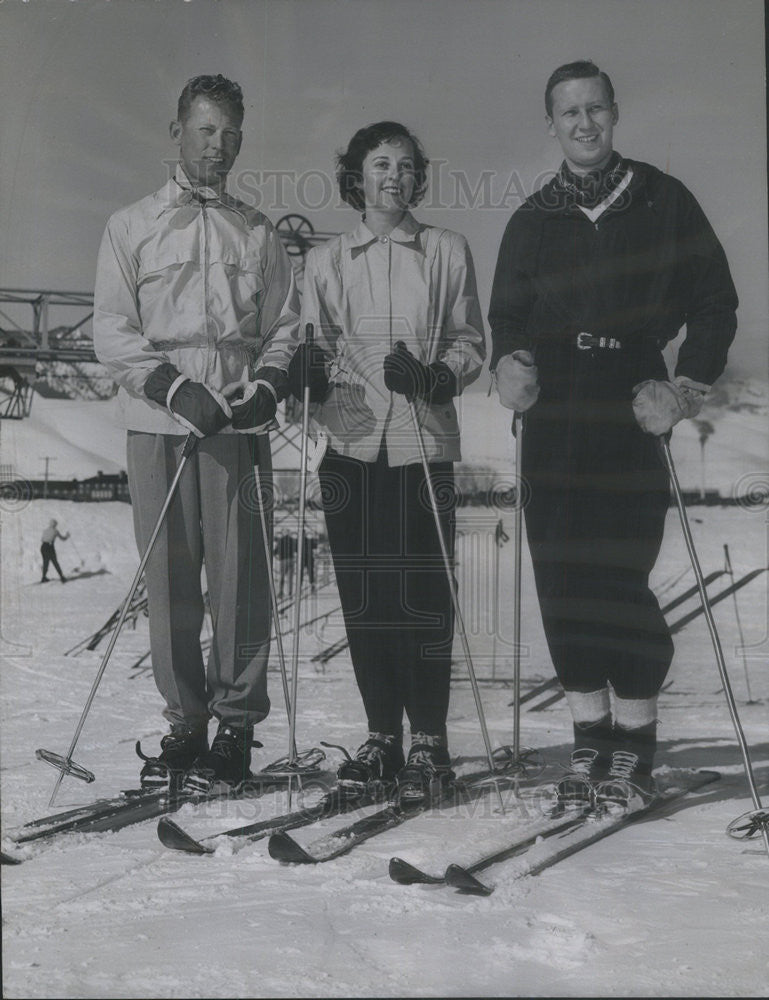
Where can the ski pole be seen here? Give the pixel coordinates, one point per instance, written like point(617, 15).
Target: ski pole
point(77, 551)
point(708, 613)
point(452, 590)
point(730, 571)
point(518, 539)
point(520, 758)
point(273, 595)
point(65, 764)
point(309, 332)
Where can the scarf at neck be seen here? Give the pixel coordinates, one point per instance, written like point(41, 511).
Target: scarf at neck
point(590, 189)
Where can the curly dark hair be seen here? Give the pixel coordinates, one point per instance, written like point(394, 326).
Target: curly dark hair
point(581, 70)
point(349, 164)
point(217, 88)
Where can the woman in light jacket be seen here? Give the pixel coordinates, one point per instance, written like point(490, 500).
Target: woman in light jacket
point(396, 314)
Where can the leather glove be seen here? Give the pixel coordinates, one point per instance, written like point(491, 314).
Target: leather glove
point(254, 404)
point(311, 359)
point(517, 381)
point(196, 406)
point(406, 375)
point(659, 405)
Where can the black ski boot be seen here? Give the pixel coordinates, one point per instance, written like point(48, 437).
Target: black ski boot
point(376, 762)
point(629, 785)
point(589, 763)
point(228, 761)
point(179, 750)
point(427, 770)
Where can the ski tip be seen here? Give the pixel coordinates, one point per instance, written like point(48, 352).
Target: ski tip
point(9, 859)
point(460, 878)
point(283, 847)
point(407, 874)
point(171, 835)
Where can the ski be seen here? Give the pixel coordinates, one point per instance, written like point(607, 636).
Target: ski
point(334, 802)
point(586, 831)
point(720, 596)
point(133, 806)
point(691, 591)
point(283, 847)
point(405, 873)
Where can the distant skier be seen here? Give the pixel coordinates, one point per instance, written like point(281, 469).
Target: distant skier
point(195, 317)
point(285, 553)
point(48, 550)
point(596, 273)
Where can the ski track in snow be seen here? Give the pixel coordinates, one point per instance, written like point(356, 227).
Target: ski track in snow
point(666, 907)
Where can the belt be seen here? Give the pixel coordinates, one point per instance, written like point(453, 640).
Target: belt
point(586, 341)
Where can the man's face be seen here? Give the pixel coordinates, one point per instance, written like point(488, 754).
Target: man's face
point(583, 122)
point(209, 141)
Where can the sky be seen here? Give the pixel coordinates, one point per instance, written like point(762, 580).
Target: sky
point(89, 88)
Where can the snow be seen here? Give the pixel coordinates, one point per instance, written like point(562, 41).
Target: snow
point(669, 907)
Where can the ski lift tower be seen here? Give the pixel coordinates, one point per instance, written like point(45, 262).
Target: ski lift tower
point(298, 236)
point(27, 351)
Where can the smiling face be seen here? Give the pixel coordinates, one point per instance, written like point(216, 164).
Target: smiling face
point(209, 141)
point(583, 121)
point(388, 176)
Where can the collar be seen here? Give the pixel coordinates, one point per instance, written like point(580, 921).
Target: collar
point(179, 191)
point(597, 211)
point(405, 233)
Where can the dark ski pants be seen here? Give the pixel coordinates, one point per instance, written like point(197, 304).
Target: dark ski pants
point(48, 552)
point(213, 519)
point(393, 586)
point(599, 495)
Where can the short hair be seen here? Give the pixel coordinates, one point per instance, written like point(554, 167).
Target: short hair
point(584, 69)
point(349, 164)
point(217, 88)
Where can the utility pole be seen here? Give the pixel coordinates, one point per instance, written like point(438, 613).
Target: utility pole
point(47, 459)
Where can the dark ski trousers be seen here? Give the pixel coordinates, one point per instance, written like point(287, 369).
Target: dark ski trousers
point(598, 498)
point(48, 552)
point(393, 586)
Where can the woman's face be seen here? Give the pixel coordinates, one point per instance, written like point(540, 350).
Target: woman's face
point(388, 176)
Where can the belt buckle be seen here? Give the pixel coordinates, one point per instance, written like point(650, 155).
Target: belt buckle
point(584, 341)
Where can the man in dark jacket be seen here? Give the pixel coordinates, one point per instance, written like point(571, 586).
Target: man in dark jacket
point(597, 271)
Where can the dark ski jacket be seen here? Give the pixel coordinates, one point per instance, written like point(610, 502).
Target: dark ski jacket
point(649, 265)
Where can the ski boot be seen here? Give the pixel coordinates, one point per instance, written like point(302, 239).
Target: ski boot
point(629, 784)
point(376, 762)
point(589, 763)
point(228, 761)
point(628, 787)
point(574, 792)
point(179, 750)
point(427, 770)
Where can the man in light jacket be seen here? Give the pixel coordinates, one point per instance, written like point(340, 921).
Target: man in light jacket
point(196, 319)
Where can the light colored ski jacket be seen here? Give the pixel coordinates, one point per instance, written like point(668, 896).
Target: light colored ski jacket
point(364, 293)
point(197, 279)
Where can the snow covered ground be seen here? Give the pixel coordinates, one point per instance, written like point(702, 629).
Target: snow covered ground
point(665, 907)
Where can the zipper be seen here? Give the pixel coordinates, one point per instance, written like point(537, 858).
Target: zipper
point(206, 297)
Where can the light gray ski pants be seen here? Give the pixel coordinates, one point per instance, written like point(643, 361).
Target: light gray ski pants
point(213, 519)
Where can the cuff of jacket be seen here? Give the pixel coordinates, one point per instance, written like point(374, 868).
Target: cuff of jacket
point(275, 379)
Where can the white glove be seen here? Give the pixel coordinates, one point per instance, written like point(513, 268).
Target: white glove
point(516, 379)
point(659, 405)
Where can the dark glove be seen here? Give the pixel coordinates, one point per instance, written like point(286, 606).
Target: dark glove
point(194, 405)
point(254, 406)
point(406, 375)
point(312, 360)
